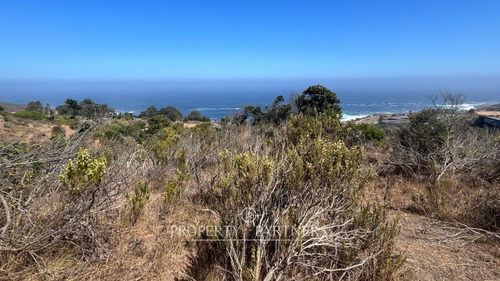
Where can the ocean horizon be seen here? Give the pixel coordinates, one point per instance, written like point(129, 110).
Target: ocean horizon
point(217, 99)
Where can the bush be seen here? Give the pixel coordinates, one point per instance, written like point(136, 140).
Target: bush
point(84, 173)
point(360, 133)
point(73, 123)
point(138, 199)
point(425, 134)
point(157, 123)
point(312, 184)
point(33, 115)
point(57, 132)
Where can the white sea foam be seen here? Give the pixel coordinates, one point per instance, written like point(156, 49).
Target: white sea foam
point(217, 108)
point(348, 117)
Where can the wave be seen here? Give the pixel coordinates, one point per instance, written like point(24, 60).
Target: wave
point(348, 117)
point(217, 108)
point(467, 106)
point(122, 111)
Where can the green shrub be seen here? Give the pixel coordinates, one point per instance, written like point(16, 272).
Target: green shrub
point(172, 190)
point(57, 132)
point(302, 128)
point(163, 144)
point(73, 123)
point(425, 134)
point(364, 133)
point(313, 185)
point(138, 199)
point(84, 173)
point(33, 115)
point(156, 123)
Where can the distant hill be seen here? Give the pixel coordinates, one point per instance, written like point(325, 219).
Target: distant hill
point(11, 107)
point(494, 107)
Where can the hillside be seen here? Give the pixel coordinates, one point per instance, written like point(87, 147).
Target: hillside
point(277, 197)
point(11, 107)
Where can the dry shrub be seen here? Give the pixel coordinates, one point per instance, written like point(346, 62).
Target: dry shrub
point(301, 174)
point(311, 184)
point(453, 163)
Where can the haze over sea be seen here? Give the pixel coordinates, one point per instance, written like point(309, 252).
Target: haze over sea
point(219, 98)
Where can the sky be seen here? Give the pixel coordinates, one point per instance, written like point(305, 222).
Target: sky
point(238, 39)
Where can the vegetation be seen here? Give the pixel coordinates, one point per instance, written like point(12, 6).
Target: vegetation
point(149, 112)
point(33, 115)
point(35, 106)
point(274, 114)
point(57, 132)
point(292, 195)
point(171, 113)
point(454, 162)
point(86, 108)
point(138, 199)
point(85, 172)
point(318, 99)
point(195, 115)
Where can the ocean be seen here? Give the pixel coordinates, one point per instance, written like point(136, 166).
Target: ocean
point(219, 98)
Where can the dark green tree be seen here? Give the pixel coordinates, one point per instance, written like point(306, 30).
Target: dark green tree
point(195, 115)
point(156, 123)
point(253, 112)
point(70, 108)
point(104, 110)
point(318, 99)
point(35, 106)
point(1, 108)
point(172, 113)
point(88, 108)
point(149, 112)
point(278, 112)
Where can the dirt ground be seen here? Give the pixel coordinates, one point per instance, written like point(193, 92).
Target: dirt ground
point(488, 113)
point(436, 250)
point(18, 129)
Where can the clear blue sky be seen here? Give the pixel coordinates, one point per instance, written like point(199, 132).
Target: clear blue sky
point(185, 39)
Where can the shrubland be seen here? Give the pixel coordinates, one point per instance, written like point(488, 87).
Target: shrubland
point(453, 165)
point(281, 194)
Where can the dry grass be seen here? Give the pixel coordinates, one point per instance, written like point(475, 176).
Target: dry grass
point(145, 250)
point(438, 251)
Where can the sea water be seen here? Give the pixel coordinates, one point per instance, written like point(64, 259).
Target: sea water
point(219, 98)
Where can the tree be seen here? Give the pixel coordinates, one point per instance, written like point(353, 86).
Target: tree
point(156, 123)
point(88, 108)
point(1, 108)
point(35, 106)
point(149, 112)
point(104, 110)
point(278, 112)
point(171, 113)
point(70, 107)
point(255, 112)
point(274, 113)
point(318, 99)
point(48, 109)
point(195, 115)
